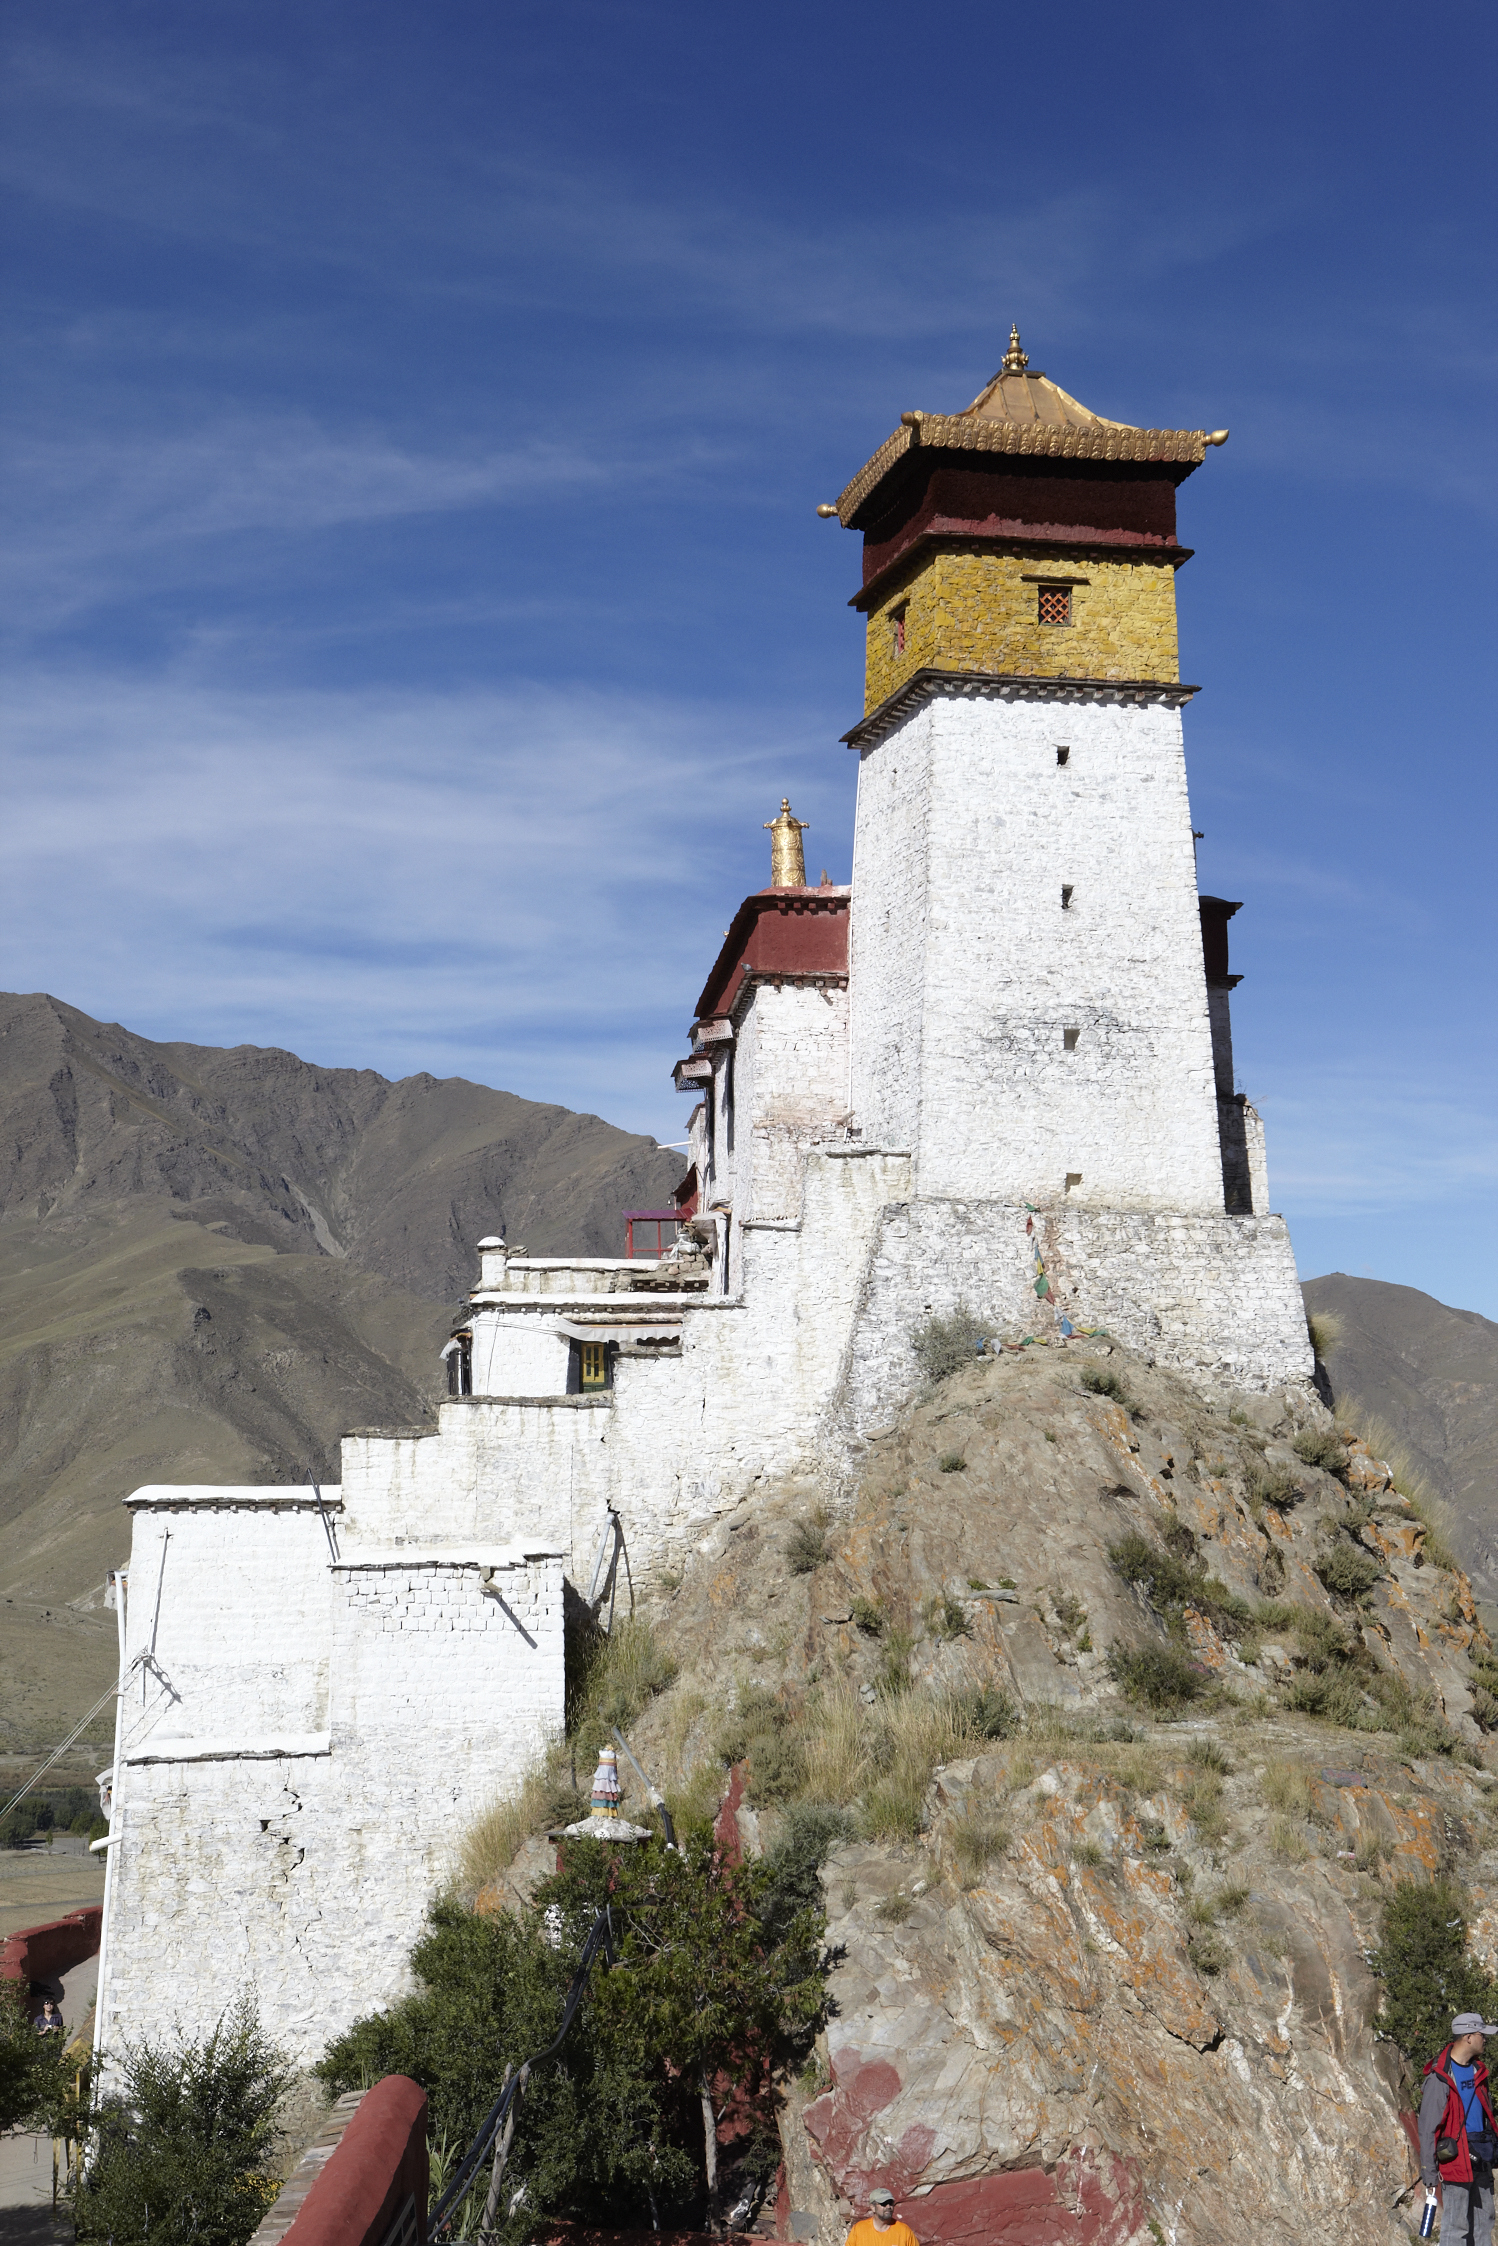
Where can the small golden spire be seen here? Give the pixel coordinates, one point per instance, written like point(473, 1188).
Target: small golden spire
point(787, 851)
point(1015, 360)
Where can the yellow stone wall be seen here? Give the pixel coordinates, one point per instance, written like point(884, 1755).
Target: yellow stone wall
point(972, 611)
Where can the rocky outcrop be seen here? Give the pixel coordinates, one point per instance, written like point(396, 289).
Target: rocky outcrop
point(1115, 1986)
point(1428, 1375)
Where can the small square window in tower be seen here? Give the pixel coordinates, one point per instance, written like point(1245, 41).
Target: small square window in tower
point(897, 628)
point(1055, 604)
point(1069, 1040)
point(595, 1365)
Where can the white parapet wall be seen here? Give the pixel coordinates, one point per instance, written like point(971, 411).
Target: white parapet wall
point(310, 1721)
point(1216, 1296)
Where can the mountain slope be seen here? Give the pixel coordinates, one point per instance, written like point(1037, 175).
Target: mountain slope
point(398, 1178)
point(1429, 1374)
point(211, 1264)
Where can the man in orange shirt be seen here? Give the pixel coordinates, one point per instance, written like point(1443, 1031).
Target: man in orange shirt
point(880, 2225)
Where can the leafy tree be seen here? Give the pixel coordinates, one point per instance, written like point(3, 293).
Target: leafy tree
point(179, 2154)
point(1427, 1973)
point(711, 1985)
point(36, 2075)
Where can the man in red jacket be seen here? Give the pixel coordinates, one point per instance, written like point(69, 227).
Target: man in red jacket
point(1458, 2140)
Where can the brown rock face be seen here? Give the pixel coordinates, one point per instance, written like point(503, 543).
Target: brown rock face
point(1429, 1375)
point(1109, 1980)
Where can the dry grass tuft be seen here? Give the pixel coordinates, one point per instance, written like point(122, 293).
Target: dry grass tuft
point(977, 1838)
point(1410, 1479)
point(881, 1758)
point(1288, 1842)
point(1286, 1787)
point(622, 1672)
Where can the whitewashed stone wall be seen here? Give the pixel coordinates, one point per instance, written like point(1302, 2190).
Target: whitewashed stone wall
point(1215, 1295)
point(300, 1751)
point(679, 1439)
point(966, 972)
point(790, 1092)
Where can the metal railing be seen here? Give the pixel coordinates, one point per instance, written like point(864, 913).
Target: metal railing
point(499, 2122)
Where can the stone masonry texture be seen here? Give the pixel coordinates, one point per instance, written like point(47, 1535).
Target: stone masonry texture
point(979, 611)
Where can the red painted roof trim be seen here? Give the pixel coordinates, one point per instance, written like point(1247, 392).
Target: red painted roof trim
point(785, 931)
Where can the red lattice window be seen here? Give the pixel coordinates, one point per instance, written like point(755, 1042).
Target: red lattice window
point(1055, 604)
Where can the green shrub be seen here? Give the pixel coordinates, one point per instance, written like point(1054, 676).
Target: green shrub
point(18, 1825)
point(610, 1678)
point(944, 1345)
point(952, 1462)
point(1272, 1485)
point(1427, 1972)
point(181, 2154)
point(1207, 1950)
point(1158, 1676)
point(1319, 1446)
point(947, 1617)
point(1484, 1708)
point(36, 2074)
point(793, 1866)
point(895, 1909)
point(1172, 1582)
point(1069, 1612)
point(1165, 1579)
point(869, 1616)
point(988, 1712)
point(1100, 1382)
point(806, 1546)
point(706, 1981)
point(1207, 1755)
point(1348, 1569)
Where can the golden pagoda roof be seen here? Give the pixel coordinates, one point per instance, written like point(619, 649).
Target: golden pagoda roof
point(1021, 411)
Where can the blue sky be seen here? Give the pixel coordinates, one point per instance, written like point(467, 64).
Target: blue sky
point(415, 600)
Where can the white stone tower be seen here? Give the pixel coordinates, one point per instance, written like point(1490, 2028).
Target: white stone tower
point(1029, 1012)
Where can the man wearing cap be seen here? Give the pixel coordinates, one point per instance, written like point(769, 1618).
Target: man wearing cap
point(1457, 2136)
point(880, 2224)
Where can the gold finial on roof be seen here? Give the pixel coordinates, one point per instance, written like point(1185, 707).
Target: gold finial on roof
point(1015, 360)
point(787, 851)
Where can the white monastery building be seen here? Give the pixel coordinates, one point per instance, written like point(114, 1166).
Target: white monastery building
point(994, 1070)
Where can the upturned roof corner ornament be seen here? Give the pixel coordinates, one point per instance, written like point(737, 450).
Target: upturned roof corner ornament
point(787, 851)
point(1015, 360)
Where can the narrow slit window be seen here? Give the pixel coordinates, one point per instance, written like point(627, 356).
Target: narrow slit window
point(1069, 1039)
point(1066, 896)
point(897, 628)
point(1063, 756)
point(1055, 604)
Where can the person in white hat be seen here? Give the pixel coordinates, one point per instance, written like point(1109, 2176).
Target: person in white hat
point(1458, 2140)
point(880, 2223)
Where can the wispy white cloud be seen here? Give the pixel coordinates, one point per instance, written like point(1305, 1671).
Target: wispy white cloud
point(87, 517)
point(1371, 1140)
point(519, 887)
